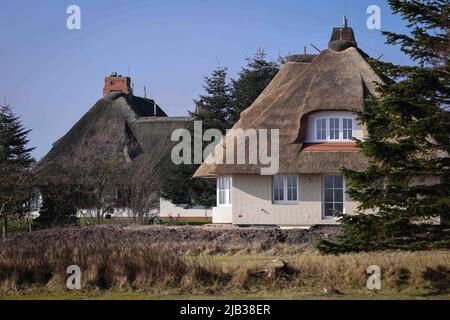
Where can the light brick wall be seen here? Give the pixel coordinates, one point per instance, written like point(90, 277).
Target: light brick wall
point(252, 202)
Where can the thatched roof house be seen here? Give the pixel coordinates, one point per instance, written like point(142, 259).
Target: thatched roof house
point(128, 131)
point(310, 102)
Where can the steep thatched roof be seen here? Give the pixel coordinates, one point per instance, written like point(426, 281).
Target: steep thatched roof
point(127, 128)
point(337, 79)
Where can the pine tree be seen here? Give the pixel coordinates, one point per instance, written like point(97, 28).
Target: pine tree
point(57, 207)
point(251, 82)
point(408, 143)
point(15, 165)
point(213, 109)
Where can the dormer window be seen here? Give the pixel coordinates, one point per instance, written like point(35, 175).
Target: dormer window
point(334, 129)
point(329, 126)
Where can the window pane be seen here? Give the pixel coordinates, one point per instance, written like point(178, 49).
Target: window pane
point(278, 181)
point(224, 190)
point(334, 129)
point(328, 209)
point(329, 182)
point(280, 195)
point(338, 182)
point(278, 188)
point(321, 129)
point(220, 184)
point(347, 129)
point(339, 195)
point(318, 135)
point(339, 207)
point(221, 197)
point(329, 195)
point(226, 183)
point(292, 182)
point(292, 187)
point(294, 195)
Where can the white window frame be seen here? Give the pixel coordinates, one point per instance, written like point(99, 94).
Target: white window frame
point(348, 129)
point(325, 217)
point(328, 129)
point(286, 189)
point(228, 196)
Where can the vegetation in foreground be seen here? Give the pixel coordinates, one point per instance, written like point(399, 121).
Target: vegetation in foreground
point(120, 263)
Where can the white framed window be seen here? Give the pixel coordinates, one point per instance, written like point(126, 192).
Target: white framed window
point(347, 128)
point(333, 128)
point(224, 185)
point(333, 195)
point(285, 189)
point(321, 129)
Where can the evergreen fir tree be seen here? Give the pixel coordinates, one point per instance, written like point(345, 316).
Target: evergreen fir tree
point(57, 208)
point(213, 109)
point(408, 142)
point(15, 165)
point(251, 82)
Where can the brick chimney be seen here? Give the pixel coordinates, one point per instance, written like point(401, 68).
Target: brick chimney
point(343, 37)
point(117, 83)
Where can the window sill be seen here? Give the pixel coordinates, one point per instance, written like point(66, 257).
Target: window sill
point(224, 205)
point(285, 203)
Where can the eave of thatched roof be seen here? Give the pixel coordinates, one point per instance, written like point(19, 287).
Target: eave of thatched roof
point(334, 80)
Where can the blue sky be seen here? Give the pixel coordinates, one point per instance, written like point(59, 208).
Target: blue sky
point(52, 75)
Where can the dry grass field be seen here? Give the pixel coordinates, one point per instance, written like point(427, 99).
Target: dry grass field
point(120, 263)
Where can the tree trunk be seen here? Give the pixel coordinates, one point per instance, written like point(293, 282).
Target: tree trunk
point(141, 218)
point(99, 216)
point(5, 227)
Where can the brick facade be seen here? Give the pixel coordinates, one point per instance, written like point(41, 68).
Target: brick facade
point(117, 83)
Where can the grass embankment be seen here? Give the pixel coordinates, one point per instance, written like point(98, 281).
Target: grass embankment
point(124, 264)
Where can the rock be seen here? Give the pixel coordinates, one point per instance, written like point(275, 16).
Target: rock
point(277, 268)
point(332, 290)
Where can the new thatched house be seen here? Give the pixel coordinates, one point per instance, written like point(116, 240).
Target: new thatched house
point(310, 101)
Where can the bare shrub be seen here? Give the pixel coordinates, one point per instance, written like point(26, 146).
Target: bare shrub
point(438, 277)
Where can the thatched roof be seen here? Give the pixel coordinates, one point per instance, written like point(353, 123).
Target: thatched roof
point(130, 128)
point(339, 78)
